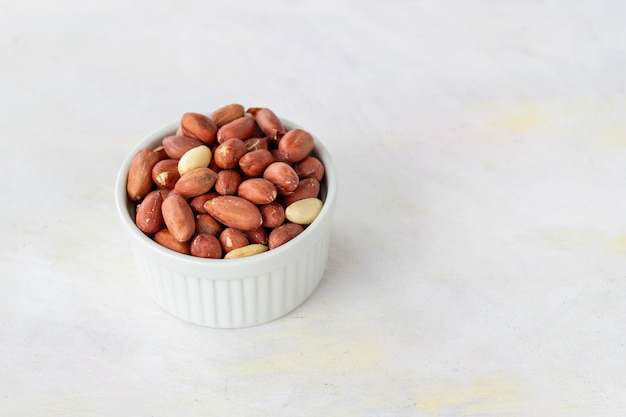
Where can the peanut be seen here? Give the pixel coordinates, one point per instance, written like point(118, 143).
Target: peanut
point(283, 234)
point(164, 238)
point(197, 203)
point(195, 182)
point(253, 144)
point(303, 211)
point(199, 126)
point(257, 190)
point(198, 157)
point(310, 167)
point(232, 239)
point(139, 181)
point(176, 146)
point(229, 152)
point(227, 182)
point(272, 214)
point(205, 223)
point(149, 216)
point(227, 114)
point(307, 188)
point(241, 128)
point(178, 218)
point(165, 173)
point(206, 246)
point(235, 212)
point(283, 176)
point(258, 235)
point(296, 145)
point(254, 162)
point(252, 249)
point(268, 122)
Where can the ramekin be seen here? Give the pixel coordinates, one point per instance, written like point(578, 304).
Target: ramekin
point(231, 293)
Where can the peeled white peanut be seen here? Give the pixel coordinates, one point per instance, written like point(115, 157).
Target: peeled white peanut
point(198, 157)
point(304, 211)
point(247, 250)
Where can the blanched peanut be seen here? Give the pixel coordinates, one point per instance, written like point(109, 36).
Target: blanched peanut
point(198, 157)
point(253, 249)
point(304, 211)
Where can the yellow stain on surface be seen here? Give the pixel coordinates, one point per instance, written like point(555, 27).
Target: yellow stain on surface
point(573, 238)
point(320, 354)
point(613, 136)
point(314, 349)
point(525, 116)
point(320, 366)
point(492, 394)
point(599, 121)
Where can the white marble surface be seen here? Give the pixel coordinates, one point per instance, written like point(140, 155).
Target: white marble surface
point(478, 255)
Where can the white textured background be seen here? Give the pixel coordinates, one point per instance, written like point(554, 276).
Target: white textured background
point(478, 255)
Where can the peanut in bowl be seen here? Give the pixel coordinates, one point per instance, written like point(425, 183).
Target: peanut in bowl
point(230, 293)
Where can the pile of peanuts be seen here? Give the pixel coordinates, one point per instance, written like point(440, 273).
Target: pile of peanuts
point(230, 184)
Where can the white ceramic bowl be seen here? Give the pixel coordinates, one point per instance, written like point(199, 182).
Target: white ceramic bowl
point(231, 293)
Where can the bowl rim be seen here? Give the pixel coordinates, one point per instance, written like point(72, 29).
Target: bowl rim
point(122, 204)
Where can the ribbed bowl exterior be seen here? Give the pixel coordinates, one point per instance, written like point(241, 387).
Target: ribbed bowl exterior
point(232, 293)
point(238, 302)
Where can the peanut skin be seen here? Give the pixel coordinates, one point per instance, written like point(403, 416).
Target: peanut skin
point(149, 216)
point(232, 239)
point(273, 214)
point(254, 162)
point(199, 126)
point(165, 173)
point(257, 190)
point(164, 238)
point(139, 181)
point(283, 176)
point(206, 246)
point(268, 122)
point(241, 128)
point(178, 218)
point(283, 234)
point(235, 212)
point(296, 145)
point(227, 114)
point(307, 188)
